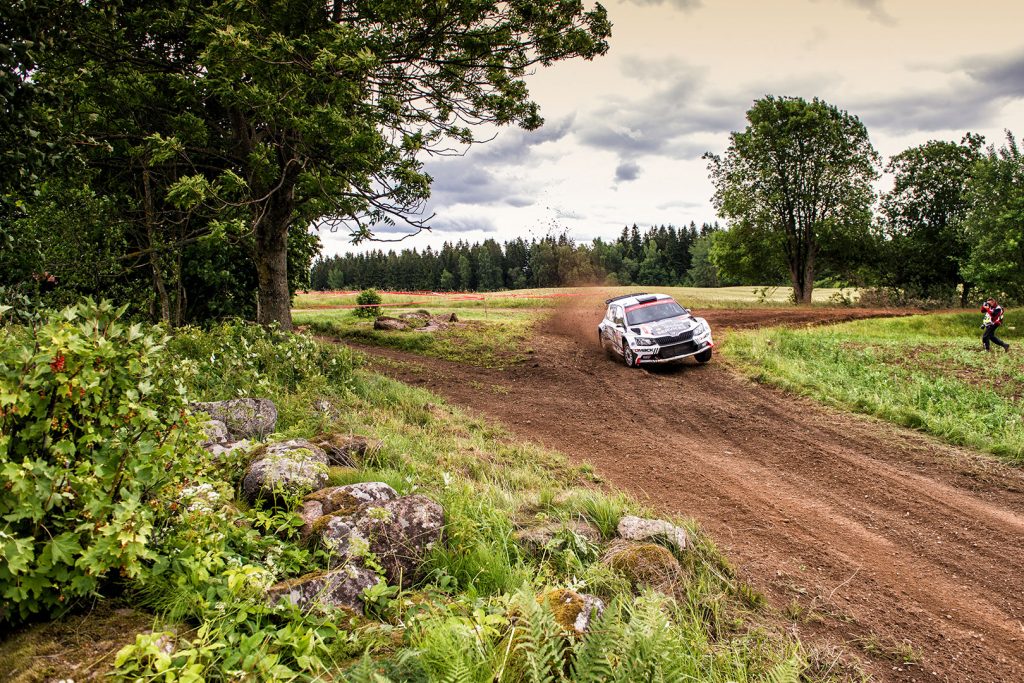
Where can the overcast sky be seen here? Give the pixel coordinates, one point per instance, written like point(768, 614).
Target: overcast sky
point(624, 134)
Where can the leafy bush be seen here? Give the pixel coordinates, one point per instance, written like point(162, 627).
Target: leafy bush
point(90, 430)
point(369, 301)
point(240, 359)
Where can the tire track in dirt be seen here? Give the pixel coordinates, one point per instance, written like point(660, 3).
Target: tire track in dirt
point(884, 538)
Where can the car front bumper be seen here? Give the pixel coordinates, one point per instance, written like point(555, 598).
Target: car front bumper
point(669, 354)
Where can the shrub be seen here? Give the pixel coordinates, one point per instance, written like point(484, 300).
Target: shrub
point(369, 301)
point(89, 432)
point(241, 359)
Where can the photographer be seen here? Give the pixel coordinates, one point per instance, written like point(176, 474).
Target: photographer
point(993, 319)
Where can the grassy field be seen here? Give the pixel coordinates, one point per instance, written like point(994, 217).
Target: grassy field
point(494, 328)
point(924, 372)
point(486, 338)
point(706, 297)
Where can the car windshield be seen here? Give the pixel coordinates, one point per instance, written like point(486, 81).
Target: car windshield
point(646, 313)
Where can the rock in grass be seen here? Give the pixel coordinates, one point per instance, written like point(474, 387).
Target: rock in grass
point(345, 500)
point(388, 324)
point(538, 539)
point(574, 612)
point(245, 418)
point(645, 564)
point(398, 533)
point(215, 432)
point(346, 450)
point(293, 467)
point(338, 588)
point(640, 529)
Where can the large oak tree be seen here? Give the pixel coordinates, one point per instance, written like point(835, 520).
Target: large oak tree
point(798, 179)
point(303, 112)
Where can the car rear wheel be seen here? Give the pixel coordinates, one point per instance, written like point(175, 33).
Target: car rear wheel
point(628, 356)
point(704, 356)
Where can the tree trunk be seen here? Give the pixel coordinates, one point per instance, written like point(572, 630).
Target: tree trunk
point(154, 254)
point(273, 303)
point(965, 294)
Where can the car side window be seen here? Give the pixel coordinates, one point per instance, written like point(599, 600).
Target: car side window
point(617, 315)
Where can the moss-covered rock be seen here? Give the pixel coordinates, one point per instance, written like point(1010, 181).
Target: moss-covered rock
point(573, 611)
point(645, 564)
point(291, 467)
point(347, 450)
point(346, 500)
point(321, 591)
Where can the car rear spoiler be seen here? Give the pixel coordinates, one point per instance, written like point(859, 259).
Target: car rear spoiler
point(624, 296)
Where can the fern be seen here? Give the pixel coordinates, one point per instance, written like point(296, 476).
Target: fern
point(542, 644)
point(592, 662)
point(364, 672)
point(460, 671)
point(787, 671)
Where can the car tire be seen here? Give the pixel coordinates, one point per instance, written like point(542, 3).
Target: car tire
point(628, 356)
point(704, 356)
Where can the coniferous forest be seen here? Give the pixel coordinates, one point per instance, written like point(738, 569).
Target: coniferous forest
point(662, 255)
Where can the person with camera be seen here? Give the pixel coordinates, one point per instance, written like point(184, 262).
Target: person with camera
point(993, 319)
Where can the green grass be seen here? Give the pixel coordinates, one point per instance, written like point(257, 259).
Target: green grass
point(705, 297)
point(485, 338)
point(925, 372)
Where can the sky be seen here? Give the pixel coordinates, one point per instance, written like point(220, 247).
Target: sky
point(625, 133)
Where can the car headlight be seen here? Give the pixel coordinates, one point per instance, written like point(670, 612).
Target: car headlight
point(702, 330)
point(643, 341)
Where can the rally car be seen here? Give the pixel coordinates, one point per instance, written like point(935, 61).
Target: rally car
point(652, 328)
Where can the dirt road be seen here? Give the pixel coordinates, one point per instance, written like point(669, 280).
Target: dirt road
point(866, 536)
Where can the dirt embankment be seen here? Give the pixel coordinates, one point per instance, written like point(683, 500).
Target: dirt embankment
point(868, 537)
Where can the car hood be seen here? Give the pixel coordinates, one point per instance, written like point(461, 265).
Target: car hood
point(666, 327)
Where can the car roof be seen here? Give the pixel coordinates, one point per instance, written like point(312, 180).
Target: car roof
point(638, 298)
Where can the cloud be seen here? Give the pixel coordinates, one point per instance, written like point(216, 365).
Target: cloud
point(684, 5)
point(978, 88)
point(627, 170)
point(666, 121)
point(875, 9)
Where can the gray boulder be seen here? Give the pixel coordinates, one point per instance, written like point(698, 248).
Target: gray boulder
point(346, 500)
point(657, 530)
point(245, 418)
point(215, 432)
point(392, 324)
point(537, 539)
point(293, 467)
point(338, 588)
point(228, 448)
point(310, 511)
point(399, 533)
point(346, 450)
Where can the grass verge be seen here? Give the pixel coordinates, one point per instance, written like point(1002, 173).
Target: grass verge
point(485, 338)
point(925, 372)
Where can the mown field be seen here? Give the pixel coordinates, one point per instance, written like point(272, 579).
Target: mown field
point(926, 372)
point(706, 297)
point(494, 328)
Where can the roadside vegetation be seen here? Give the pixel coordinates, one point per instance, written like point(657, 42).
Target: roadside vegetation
point(924, 372)
point(199, 558)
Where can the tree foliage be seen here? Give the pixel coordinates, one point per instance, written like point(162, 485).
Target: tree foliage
point(279, 114)
point(995, 222)
point(923, 226)
point(799, 176)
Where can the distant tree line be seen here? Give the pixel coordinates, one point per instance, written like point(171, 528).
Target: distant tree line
point(662, 255)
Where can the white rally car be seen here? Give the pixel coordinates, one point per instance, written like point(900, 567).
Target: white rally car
point(653, 328)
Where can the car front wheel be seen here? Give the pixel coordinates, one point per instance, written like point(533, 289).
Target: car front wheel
point(628, 355)
point(704, 356)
